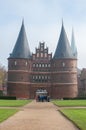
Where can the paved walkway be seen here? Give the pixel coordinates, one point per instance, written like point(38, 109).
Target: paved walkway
point(38, 116)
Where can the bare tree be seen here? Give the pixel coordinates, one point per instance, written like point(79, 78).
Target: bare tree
point(3, 77)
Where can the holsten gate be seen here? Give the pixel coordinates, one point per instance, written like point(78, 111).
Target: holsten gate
point(28, 72)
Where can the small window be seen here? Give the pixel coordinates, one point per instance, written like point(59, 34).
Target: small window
point(36, 65)
point(36, 77)
point(45, 55)
point(48, 77)
point(49, 57)
point(42, 77)
point(39, 77)
point(42, 65)
point(39, 65)
point(26, 63)
point(48, 65)
point(33, 57)
point(33, 77)
point(63, 64)
point(37, 54)
point(45, 77)
point(45, 65)
point(41, 54)
point(33, 65)
point(15, 63)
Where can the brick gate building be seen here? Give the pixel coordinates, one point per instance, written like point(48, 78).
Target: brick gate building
point(29, 72)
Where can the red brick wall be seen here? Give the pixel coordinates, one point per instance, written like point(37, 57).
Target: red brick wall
point(18, 90)
point(20, 70)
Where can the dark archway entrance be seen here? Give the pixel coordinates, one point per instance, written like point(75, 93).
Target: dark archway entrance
point(41, 95)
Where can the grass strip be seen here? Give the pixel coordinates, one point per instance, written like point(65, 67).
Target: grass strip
point(6, 113)
point(69, 103)
point(13, 103)
point(78, 116)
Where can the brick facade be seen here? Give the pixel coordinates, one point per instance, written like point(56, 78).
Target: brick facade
point(41, 71)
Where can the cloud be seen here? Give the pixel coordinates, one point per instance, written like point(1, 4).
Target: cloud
point(42, 22)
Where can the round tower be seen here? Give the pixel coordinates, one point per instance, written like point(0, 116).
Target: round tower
point(19, 67)
point(64, 66)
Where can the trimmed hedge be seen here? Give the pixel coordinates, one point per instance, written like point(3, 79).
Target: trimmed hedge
point(8, 97)
point(76, 98)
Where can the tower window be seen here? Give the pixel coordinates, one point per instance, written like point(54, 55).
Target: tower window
point(15, 63)
point(63, 64)
point(26, 63)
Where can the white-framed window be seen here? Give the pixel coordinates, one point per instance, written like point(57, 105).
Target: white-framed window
point(15, 63)
point(26, 63)
point(63, 64)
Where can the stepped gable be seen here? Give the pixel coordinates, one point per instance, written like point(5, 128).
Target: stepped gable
point(73, 46)
point(63, 49)
point(21, 48)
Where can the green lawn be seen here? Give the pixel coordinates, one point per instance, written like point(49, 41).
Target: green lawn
point(13, 103)
point(78, 116)
point(5, 113)
point(69, 103)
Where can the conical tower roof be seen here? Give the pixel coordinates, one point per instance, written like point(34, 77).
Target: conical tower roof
point(63, 49)
point(73, 46)
point(21, 48)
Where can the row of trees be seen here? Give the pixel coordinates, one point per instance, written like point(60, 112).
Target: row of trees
point(3, 78)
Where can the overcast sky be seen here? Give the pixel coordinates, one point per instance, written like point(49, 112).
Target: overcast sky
point(43, 21)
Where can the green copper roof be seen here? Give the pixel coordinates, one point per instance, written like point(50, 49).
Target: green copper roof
point(63, 49)
point(73, 46)
point(21, 48)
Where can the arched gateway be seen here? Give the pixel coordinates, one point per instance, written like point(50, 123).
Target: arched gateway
point(41, 92)
point(42, 95)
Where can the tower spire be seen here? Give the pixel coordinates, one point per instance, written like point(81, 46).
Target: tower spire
point(21, 48)
point(63, 49)
point(73, 46)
